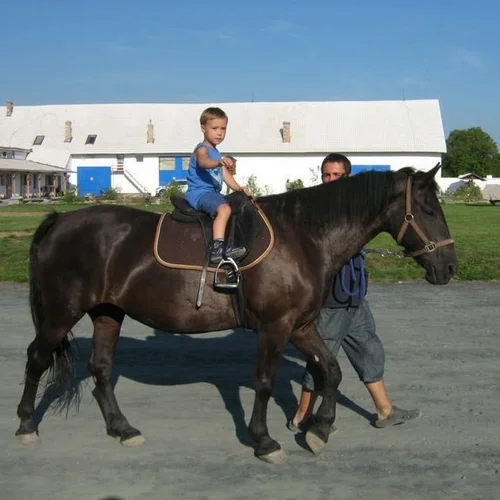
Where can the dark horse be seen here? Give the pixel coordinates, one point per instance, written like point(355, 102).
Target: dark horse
point(99, 261)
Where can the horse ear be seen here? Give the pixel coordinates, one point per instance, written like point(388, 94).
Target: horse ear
point(429, 176)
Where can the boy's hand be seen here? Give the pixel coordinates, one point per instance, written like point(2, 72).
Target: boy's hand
point(227, 162)
point(246, 190)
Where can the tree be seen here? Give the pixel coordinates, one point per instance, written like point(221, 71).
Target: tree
point(471, 150)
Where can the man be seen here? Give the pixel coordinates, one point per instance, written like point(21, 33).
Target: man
point(346, 320)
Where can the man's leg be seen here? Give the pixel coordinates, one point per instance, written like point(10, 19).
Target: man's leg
point(380, 398)
point(365, 351)
point(304, 411)
point(331, 325)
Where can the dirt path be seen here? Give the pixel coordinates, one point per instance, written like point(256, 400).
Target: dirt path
point(6, 234)
point(24, 214)
point(192, 399)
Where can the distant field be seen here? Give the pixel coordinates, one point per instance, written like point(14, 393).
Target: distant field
point(476, 230)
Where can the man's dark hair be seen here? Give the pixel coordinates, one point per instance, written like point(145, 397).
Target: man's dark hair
point(337, 158)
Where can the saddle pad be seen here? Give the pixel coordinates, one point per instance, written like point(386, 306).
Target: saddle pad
point(181, 245)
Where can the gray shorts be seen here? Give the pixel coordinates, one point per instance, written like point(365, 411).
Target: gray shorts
point(354, 330)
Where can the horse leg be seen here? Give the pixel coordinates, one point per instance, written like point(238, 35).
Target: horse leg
point(312, 345)
point(269, 352)
point(49, 340)
point(107, 323)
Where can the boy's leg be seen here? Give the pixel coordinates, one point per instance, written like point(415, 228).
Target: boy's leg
point(216, 205)
point(222, 215)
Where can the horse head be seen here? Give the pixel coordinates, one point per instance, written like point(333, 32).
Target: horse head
point(417, 222)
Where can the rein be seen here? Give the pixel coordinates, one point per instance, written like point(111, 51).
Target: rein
point(409, 220)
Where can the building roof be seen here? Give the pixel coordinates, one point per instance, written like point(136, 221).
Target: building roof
point(11, 165)
point(471, 176)
point(315, 127)
point(16, 150)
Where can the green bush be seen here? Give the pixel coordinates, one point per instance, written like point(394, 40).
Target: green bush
point(71, 197)
point(110, 194)
point(468, 193)
point(175, 188)
point(296, 184)
point(255, 189)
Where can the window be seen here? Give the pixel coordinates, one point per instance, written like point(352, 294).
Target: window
point(38, 140)
point(167, 163)
point(139, 158)
point(91, 139)
point(185, 162)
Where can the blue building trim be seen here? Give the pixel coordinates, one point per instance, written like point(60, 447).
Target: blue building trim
point(356, 169)
point(167, 176)
point(93, 180)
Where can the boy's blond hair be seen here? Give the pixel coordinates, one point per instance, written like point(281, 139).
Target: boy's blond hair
point(210, 114)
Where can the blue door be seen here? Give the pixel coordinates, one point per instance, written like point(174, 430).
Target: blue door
point(356, 169)
point(177, 172)
point(93, 180)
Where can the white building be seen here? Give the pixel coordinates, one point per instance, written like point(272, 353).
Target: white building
point(135, 148)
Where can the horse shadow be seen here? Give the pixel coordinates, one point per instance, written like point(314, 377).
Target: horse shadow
point(225, 361)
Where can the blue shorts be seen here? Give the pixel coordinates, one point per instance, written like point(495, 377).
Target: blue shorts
point(353, 329)
point(210, 202)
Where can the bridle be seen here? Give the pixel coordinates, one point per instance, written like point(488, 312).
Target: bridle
point(429, 246)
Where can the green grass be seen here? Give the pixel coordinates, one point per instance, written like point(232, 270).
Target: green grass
point(66, 207)
point(20, 223)
point(476, 230)
point(14, 258)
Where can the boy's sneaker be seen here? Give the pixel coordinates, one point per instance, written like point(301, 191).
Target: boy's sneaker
point(235, 253)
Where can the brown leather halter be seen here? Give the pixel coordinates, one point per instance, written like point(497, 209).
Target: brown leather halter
point(430, 246)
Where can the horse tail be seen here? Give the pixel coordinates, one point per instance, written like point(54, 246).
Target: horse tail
point(35, 292)
point(61, 373)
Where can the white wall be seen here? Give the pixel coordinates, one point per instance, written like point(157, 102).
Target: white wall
point(451, 184)
point(270, 171)
point(145, 172)
point(273, 171)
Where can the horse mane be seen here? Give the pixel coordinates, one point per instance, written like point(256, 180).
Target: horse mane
point(352, 198)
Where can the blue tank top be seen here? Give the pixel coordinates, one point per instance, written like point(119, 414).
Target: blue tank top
point(203, 180)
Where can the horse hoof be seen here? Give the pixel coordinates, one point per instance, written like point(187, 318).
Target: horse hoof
point(315, 443)
point(133, 441)
point(275, 457)
point(29, 438)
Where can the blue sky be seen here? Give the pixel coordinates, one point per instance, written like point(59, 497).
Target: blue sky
point(99, 51)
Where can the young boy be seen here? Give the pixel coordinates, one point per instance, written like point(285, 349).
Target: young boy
point(207, 170)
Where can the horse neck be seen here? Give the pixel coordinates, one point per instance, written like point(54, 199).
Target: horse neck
point(353, 214)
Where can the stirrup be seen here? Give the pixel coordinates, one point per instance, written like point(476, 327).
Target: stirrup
point(234, 271)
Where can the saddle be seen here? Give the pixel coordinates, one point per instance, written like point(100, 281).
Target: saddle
point(182, 242)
